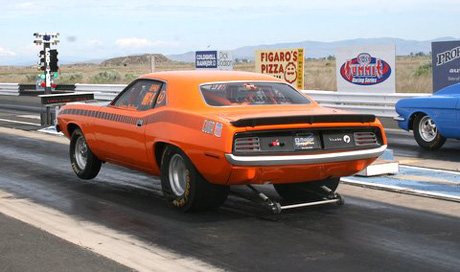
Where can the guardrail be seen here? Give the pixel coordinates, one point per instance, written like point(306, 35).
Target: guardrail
point(382, 105)
point(104, 92)
point(9, 89)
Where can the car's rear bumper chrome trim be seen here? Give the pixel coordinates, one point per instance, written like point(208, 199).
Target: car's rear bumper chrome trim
point(305, 159)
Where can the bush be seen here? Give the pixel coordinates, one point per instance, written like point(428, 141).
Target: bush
point(70, 78)
point(423, 69)
point(106, 77)
point(31, 78)
point(130, 77)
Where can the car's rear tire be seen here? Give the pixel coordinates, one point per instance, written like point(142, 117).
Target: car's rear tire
point(426, 133)
point(183, 186)
point(306, 191)
point(83, 161)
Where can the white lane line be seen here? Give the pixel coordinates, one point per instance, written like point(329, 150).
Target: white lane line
point(431, 169)
point(399, 189)
point(19, 122)
point(120, 247)
point(34, 135)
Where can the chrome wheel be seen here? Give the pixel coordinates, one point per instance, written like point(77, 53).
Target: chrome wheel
point(427, 129)
point(81, 152)
point(178, 174)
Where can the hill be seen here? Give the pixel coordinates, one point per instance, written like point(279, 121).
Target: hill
point(135, 60)
point(314, 49)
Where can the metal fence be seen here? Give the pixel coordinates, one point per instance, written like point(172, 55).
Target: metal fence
point(103, 92)
point(9, 89)
point(382, 105)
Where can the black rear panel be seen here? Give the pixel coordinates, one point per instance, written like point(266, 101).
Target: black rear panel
point(308, 119)
point(306, 140)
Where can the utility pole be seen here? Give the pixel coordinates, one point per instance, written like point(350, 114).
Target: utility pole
point(46, 56)
point(152, 63)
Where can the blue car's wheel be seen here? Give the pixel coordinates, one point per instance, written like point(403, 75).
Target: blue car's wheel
point(426, 133)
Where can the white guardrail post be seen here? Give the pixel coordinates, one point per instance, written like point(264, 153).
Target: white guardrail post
point(9, 89)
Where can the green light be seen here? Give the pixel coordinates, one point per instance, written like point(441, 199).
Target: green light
point(42, 76)
point(55, 74)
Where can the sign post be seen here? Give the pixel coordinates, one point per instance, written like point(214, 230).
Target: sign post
point(446, 64)
point(366, 69)
point(285, 64)
point(48, 63)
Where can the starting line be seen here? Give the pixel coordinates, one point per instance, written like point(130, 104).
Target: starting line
point(415, 180)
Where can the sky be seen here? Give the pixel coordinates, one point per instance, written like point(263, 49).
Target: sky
point(98, 29)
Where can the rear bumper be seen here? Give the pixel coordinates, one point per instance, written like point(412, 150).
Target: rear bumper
point(305, 159)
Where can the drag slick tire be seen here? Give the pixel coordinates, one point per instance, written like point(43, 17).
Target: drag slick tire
point(83, 161)
point(306, 191)
point(426, 133)
point(183, 186)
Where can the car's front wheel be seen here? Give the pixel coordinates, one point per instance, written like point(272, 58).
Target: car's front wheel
point(183, 186)
point(426, 133)
point(83, 161)
point(306, 191)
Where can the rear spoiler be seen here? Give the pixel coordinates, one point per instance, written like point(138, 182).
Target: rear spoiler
point(309, 119)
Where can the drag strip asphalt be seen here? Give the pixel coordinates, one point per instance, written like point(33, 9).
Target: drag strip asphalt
point(377, 231)
point(19, 252)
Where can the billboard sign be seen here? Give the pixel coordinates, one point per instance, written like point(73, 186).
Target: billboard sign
point(369, 69)
point(218, 60)
point(445, 63)
point(285, 64)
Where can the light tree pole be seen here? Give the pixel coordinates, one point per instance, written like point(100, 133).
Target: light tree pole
point(48, 57)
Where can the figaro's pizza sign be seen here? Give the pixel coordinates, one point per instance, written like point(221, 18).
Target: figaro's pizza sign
point(285, 64)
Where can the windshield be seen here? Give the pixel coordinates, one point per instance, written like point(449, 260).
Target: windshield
point(251, 93)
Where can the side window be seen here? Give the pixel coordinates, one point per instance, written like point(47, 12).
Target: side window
point(140, 96)
point(162, 99)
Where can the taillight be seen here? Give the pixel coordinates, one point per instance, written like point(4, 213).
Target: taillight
point(249, 144)
point(365, 138)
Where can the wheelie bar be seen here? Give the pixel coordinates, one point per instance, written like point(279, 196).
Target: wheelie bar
point(276, 207)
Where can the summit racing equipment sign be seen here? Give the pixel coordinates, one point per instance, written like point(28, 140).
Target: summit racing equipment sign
point(446, 64)
point(366, 69)
point(218, 60)
point(285, 64)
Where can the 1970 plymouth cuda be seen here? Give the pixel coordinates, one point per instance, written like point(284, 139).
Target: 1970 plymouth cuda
point(202, 131)
point(432, 118)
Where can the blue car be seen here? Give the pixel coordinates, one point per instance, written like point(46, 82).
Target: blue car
point(433, 118)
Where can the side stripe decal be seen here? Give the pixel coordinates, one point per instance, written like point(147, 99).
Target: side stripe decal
point(106, 116)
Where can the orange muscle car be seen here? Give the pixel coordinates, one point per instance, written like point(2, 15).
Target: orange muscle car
point(202, 131)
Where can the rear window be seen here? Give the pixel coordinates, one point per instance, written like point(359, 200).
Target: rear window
point(251, 93)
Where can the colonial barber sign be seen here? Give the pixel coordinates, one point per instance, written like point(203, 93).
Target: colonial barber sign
point(446, 64)
point(369, 69)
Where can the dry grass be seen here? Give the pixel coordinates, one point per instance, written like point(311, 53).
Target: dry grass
point(413, 74)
